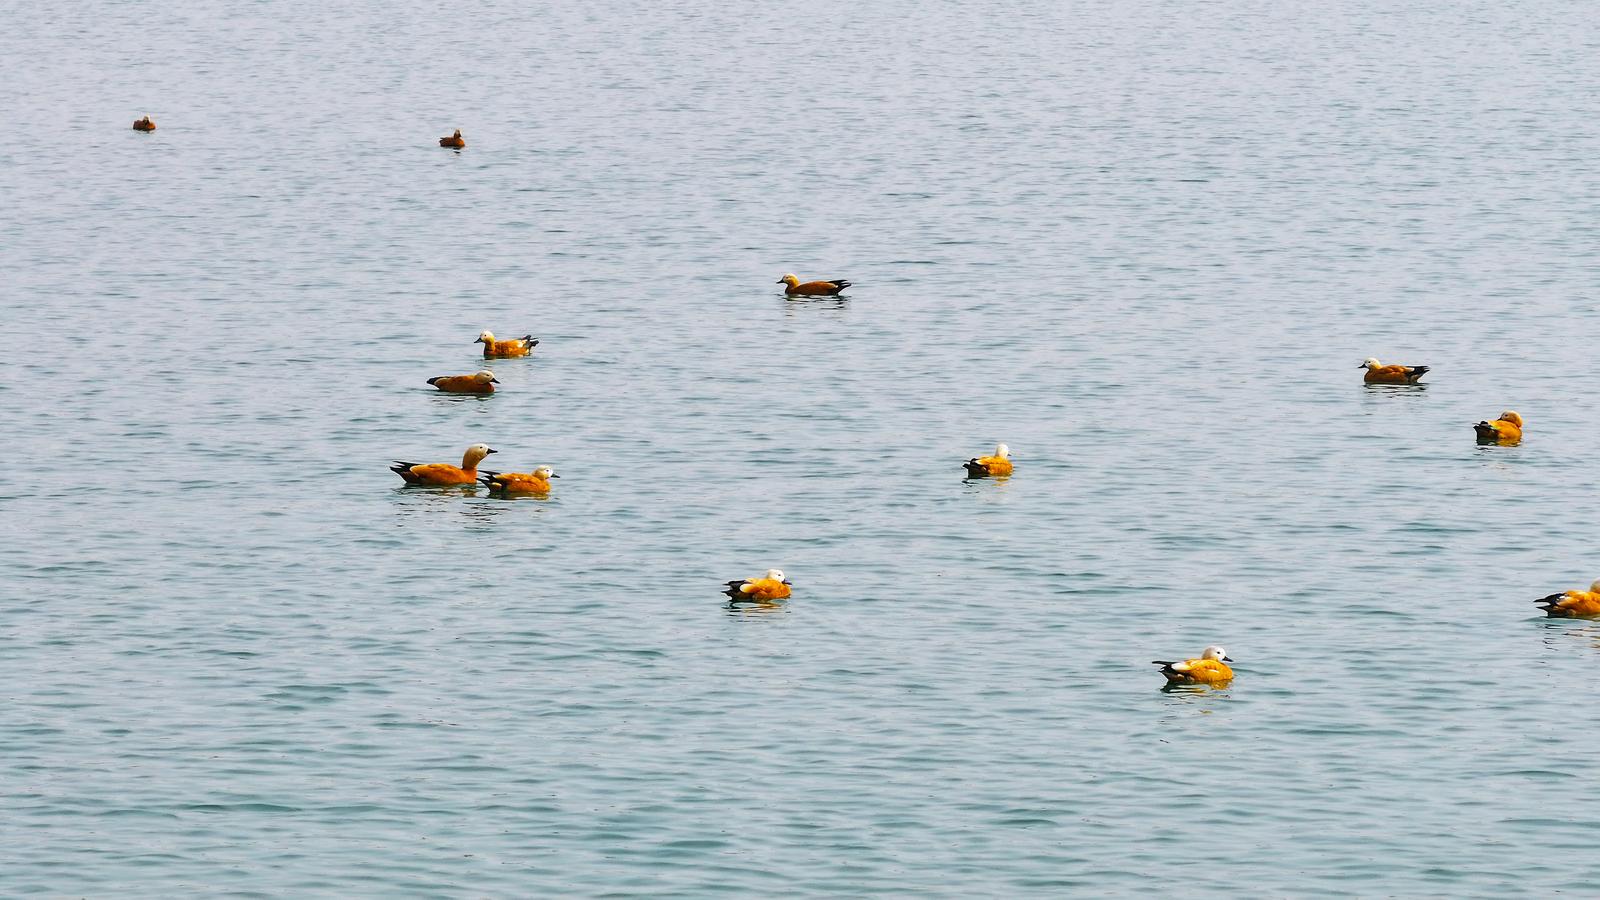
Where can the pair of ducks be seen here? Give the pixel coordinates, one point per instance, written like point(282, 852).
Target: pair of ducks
point(1211, 667)
point(446, 475)
point(144, 124)
point(483, 382)
point(1505, 430)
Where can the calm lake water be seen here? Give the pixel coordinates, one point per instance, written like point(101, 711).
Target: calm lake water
point(1145, 245)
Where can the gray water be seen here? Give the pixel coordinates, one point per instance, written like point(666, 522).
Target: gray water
point(1145, 245)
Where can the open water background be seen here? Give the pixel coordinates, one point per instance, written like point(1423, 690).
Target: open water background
point(1144, 244)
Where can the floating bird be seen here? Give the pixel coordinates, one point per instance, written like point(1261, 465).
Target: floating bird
point(1573, 604)
point(1505, 430)
point(493, 349)
point(453, 140)
point(1210, 668)
point(476, 383)
point(1381, 374)
point(763, 588)
point(998, 464)
point(144, 124)
point(535, 482)
point(444, 474)
point(812, 288)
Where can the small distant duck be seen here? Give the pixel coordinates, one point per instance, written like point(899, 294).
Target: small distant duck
point(444, 474)
point(493, 349)
point(535, 482)
point(763, 588)
point(1573, 604)
point(812, 288)
point(144, 124)
point(1378, 373)
point(476, 383)
point(985, 466)
point(454, 140)
point(1505, 430)
point(1210, 668)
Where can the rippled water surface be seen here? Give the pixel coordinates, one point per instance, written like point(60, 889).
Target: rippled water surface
point(1143, 244)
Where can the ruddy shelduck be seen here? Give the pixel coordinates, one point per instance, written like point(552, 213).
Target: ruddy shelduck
point(1377, 373)
point(1573, 604)
point(984, 466)
point(1210, 668)
point(493, 349)
point(144, 124)
point(476, 383)
point(1505, 430)
point(454, 140)
point(766, 587)
point(535, 482)
point(812, 288)
point(444, 474)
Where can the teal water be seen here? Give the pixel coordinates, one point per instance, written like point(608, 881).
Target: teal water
point(1146, 247)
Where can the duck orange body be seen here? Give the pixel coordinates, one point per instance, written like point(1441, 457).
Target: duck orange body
point(1505, 430)
point(985, 466)
point(535, 482)
point(1377, 373)
point(766, 587)
point(454, 140)
point(795, 288)
point(508, 349)
point(476, 383)
point(1211, 667)
point(444, 474)
point(1573, 604)
point(144, 124)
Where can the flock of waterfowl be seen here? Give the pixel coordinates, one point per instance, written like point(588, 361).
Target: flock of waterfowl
point(1209, 668)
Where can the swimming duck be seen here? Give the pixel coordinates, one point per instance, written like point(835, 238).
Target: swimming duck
point(493, 349)
point(812, 288)
point(998, 464)
point(1573, 604)
point(476, 383)
point(144, 124)
point(535, 482)
point(1505, 430)
point(444, 474)
point(1394, 374)
point(1210, 668)
point(766, 587)
point(453, 140)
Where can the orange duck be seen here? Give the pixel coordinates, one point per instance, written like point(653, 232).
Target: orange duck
point(812, 288)
point(444, 474)
point(476, 383)
point(983, 466)
point(144, 124)
point(493, 349)
point(764, 588)
point(1210, 667)
point(1573, 604)
point(535, 482)
point(1505, 430)
point(454, 140)
point(1378, 373)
